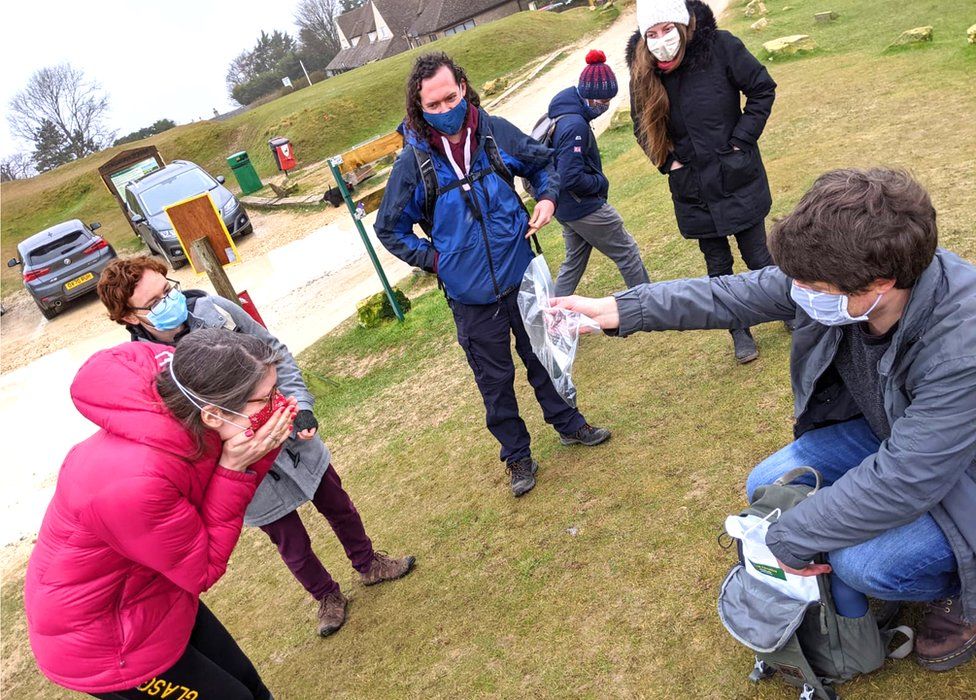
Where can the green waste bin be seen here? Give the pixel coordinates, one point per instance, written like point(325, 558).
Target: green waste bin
point(247, 176)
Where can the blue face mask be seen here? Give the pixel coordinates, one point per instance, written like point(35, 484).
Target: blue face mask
point(828, 309)
point(451, 121)
point(168, 313)
point(594, 109)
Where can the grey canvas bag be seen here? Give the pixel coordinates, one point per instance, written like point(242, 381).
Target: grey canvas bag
point(807, 644)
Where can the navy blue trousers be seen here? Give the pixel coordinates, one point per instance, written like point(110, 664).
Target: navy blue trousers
point(484, 331)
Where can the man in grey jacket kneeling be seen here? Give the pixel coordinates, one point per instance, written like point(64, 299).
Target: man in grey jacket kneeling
point(883, 367)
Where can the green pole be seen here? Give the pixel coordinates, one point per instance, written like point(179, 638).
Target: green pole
point(341, 183)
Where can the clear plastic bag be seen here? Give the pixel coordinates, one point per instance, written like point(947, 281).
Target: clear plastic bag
point(554, 333)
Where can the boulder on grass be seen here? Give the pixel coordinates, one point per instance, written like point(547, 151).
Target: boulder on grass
point(756, 8)
point(825, 17)
point(917, 35)
point(495, 86)
point(787, 46)
point(377, 308)
point(759, 25)
point(621, 119)
point(971, 33)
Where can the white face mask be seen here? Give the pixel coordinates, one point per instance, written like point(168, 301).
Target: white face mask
point(666, 47)
point(828, 309)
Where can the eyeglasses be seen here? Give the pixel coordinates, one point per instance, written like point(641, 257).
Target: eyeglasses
point(170, 288)
point(267, 400)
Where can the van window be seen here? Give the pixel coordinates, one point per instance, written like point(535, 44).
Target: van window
point(177, 188)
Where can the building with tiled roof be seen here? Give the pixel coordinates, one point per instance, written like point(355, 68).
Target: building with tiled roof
point(382, 28)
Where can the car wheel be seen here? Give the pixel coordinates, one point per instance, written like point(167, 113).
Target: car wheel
point(47, 313)
point(174, 264)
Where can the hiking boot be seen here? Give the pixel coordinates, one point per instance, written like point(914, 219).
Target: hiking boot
point(944, 640)
point(332, 613)
point(587, 435)
point(386, 568)
point(745, 346)
point(522, 472)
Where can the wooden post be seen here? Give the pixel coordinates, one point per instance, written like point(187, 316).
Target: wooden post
point(205, 254)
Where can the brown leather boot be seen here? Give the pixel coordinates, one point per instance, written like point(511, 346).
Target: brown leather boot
point(944, 639)
point(386, 568)
point(332, 613)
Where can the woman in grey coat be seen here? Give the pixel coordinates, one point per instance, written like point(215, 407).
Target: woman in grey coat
point(138, 295)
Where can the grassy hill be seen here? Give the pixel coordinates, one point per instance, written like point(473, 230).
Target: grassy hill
point(602, 582)
point(321, 120)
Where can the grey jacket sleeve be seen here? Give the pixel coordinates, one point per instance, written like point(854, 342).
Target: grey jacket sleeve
point(733, 301)
point(930, 447)
point(290, 381)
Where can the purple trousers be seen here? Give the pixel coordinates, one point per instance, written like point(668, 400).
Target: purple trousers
point(291, 538)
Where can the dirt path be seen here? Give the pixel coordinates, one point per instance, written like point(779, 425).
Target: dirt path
point(305, 272)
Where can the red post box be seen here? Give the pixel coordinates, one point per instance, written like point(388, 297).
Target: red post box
point(284, 153)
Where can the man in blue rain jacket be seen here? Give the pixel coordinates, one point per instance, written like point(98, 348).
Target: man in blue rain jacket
point(454, 178)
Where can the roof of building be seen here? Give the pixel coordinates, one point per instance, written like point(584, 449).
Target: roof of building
point(365, 52)
point(437, 15)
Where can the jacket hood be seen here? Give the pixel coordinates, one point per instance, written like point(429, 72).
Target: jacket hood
point(116, 390)
point(567, 101)
point(698, 49)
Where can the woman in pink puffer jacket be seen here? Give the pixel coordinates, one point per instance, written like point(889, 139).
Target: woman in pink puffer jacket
point(146, 514)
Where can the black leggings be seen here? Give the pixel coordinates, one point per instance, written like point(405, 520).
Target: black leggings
point(213, 667)
point(752, 246)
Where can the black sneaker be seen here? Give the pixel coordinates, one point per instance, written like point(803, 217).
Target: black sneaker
point(587, 435)
point(790, 325)
point(745, 346)
point(522, 472)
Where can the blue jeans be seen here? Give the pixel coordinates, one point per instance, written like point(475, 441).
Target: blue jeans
point(911, 562)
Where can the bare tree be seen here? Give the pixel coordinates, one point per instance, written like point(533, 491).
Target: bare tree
point(317, 18)
point(16, 167)
point(62, 96)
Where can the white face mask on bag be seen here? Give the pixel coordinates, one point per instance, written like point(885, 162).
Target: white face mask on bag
point(666, 47)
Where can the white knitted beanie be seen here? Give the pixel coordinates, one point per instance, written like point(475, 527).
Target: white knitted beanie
point(651, 12)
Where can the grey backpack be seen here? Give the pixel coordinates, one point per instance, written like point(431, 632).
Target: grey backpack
point(808, 645)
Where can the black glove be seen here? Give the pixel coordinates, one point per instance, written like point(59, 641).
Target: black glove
point(305, 420)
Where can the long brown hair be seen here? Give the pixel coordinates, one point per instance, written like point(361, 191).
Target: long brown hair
point(651, 99)
point(423, 69)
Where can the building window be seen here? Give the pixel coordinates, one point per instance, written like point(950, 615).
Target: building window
point(457, 29)
point(355, 40)
point(384, 33)
point(372, 37)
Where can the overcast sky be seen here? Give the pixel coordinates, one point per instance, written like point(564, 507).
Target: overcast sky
point(155, 59)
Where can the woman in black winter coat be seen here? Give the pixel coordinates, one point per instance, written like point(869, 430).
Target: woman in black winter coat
point(687, 79)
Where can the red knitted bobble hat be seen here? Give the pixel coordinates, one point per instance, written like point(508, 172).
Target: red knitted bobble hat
point(597, 81)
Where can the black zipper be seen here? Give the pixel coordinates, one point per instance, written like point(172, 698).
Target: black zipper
point(484, 236)
point(481, 219)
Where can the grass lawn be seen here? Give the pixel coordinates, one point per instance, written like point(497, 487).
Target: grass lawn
point(602, 582)
point(321, 120)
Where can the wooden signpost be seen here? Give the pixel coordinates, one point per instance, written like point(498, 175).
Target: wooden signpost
point(205, 240)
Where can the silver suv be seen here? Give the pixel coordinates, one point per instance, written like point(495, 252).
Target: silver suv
point(147, 198)
point(62, 263)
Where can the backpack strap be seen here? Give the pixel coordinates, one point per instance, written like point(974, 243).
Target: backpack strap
point(498, 165)
point(428, 177)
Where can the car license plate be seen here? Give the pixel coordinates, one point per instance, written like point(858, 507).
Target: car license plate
point(77, 281)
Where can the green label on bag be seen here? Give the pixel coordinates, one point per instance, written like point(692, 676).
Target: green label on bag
point(769, 570)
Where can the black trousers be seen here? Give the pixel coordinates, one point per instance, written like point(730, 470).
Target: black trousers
point(213, 667)
point(752, 246)
point(485, 332)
